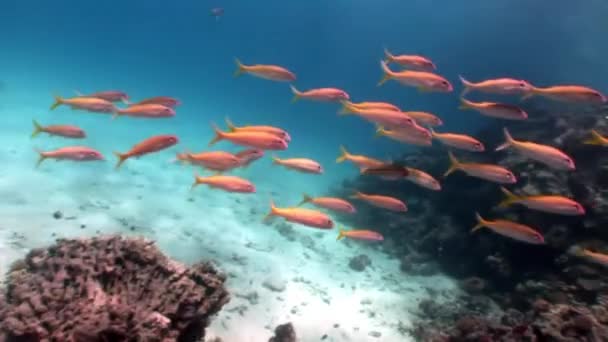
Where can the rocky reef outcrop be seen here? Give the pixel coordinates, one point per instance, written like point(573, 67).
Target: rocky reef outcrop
point(108, 289)
point(517, 276)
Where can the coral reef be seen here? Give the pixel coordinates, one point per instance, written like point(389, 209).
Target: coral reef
point(108, 289)
point(284, 333)
point(514, 275)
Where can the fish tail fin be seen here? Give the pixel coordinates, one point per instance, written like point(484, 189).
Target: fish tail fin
point(296, 93)
point(305, 199)
point(275, 159)
point(576, 251)
point(464, 104)
point(386, 73)
point(41, 157)
point(196, 181)
point(37, 128)
point(341, 234)
point(380, 132)
point(388, 56)
point(480, 223)
point(510, 198)
point(231, 126)
point(121, 159)
point(531, 93)
point(219, 135)
point(343, 154)
point(467, 86)
point(596, 139)
point(347, 108)
point(508, 140)
point(356, 195)
point(58, 102)
point(432, 131)
point(454, 164)
point(272, 212)
point(240, 68)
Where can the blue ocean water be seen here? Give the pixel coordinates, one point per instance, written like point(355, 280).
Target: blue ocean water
point(151, 48)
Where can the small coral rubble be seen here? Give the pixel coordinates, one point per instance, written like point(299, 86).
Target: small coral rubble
point(108, 289)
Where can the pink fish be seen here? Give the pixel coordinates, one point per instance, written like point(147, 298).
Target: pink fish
point(424, 81)
point(331, 203)
point(213, 160)
point(494, 109)
point(410, 61)
point(422, 179)
point(545, 154)
point(299, 164)
point(385, 202)
point(307, 217)
point(65, 131)
point(226, 183)
point(249, 155)
point(490, 172)
point(569, 93)
point(74, 153)
point(254, 139)
point(152, 111)
point(460, 141)
point(506, 86)
point(90, 104)
point(404, 136)
point(161, 100)
point(320, 94)
point(360, 234)
point(108, 95)
point(268, 72)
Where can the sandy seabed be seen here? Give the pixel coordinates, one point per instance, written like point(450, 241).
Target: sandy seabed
point(277, 272)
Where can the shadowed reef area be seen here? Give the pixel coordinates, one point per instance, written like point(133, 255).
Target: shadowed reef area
point(516, 291)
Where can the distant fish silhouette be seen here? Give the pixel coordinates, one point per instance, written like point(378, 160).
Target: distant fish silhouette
point(217, 12)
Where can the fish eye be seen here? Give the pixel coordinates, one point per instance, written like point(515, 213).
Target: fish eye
point(523, 85)
point(445, 83)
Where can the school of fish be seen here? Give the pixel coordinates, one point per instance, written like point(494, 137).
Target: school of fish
point(410, 127)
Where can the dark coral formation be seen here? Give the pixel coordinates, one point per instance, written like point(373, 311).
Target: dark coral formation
point(284, 333)
point(515, 275)
point(108, 289)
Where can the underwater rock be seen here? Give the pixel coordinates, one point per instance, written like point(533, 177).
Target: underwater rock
point(359, 263)
point(473, 285)
point(57, 215)
point(109, 289)
point(284, 333)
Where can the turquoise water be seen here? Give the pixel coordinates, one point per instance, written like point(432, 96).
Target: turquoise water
point(152, 48)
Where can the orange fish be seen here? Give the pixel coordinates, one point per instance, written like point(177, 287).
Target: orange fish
point(495, 110)
point(410, 61)
point(254, 139)
point(360, 234)
point(460, 141)
point(490, 172)
point(150, 110)
point(547, 203)
point(388, 171)
point(385, 202)
point(74, 153)
point(384, 117)
point(424, 118)
point(331, 203)
point(268, 72)
point(506, 86)
point(360, 160)
point(307, 217)
point(424, 81)
point(320, 94)
point(91, 104)
point(545, 154)
point(513, 230)
point(595, 257)
point(299, 164)
point(404, 136)
point(568, 93)
point(153, 144)
point(423, 179)
point(374, 105)
point(59, 130)
point(596, 139)
point(281, 133)
point(227, 183)
point(214, 160)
